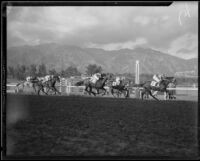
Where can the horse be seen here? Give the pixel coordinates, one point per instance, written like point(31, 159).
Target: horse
point(20, 86)
point(50, 84)
point(119, 89)
point(99, 85)
point(162, 88)
point(39, 84)
point(170, 94)
point(145, 93)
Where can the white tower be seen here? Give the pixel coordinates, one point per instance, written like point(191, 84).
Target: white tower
point(137, 72)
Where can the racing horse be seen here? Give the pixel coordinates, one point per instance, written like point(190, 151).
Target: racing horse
point(119, 89)
point(148, 87)
point(50, 84)
point(99, 85)
point(21, 85)
point(170, 94)
point(40, 86)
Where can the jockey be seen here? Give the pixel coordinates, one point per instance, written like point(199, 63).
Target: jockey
point(40, 79)
point(95, 77)
point(30, 78)
point(47, 78)
point(116, 82)
point(118, 79)
point(158, 78)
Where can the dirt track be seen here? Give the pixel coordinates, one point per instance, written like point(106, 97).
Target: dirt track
point(81, 126)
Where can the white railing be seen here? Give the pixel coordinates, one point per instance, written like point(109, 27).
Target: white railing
point(80, 89)
point(11, 85)
point(177, 88)
point(182, 88)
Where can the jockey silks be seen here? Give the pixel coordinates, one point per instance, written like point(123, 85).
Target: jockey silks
point(95, 77)
point(157, 77)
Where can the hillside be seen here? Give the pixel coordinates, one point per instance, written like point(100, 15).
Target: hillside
point(116, 61)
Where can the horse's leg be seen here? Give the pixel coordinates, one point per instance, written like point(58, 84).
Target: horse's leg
point(48, 88)
point(104, 91)
point(127, 93)
point(53, 89)
point(111, 91)
point(97, 90)
point(34, 88)
point(42, 88)
point(56, 90)
point(142, 94)
point(149, 91)
point(174, 97)
point(44, 91)
point(88, 91)
point(115, 92)
point(119, 93)
point(39, 90)
point(92, 92)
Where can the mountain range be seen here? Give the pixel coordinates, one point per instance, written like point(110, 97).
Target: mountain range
point(116, 61)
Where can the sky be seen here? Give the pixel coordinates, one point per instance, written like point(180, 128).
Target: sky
point(172, 30)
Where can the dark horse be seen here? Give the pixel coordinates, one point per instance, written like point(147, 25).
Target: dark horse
point(99, 85)
point(147, 87)
point(119, 89)
point(170, 94)
point(50, 85)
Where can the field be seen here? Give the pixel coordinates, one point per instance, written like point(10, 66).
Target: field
point(85, 126)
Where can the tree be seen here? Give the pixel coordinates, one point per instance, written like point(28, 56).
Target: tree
point(33, 70)
point(62, 73)
point(70, 71)
point(20, 72)
point(52, 72)
point(11, 71)
point(93, 68)
point(42, 70)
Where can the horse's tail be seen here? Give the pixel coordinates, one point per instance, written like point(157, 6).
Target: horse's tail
point(80, 83)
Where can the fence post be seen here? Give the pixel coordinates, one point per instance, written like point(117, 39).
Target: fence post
point(137, 92)
point(69, 90)
point(68, 87)
point(60, 86)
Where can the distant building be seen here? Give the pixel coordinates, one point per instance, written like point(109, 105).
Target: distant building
point(191, 73)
